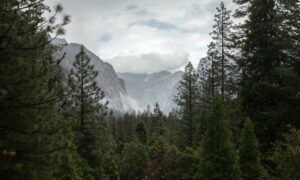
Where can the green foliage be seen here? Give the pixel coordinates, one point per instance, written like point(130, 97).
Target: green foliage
point(69, 166)
point(31, 122)
point(110, 167)
point(220, 54)
point(86, 95)
point(133, 165)
point(269, 82)
point(286, 156)
point(172, 127)
point(188, 102)
point(128, 127)
point(186, 164)
point(161, 161)
point(49, 130)
point(141, 133)
point(249, 153)
point(219, 73)
point(157, 123)
point(289, 15)
point(218, 157)
point(86, 99)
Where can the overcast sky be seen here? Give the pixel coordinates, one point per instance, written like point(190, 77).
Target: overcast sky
point(142, 36)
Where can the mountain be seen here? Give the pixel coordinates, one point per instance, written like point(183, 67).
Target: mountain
point(151, 88)
point(204, 63)
point(113, 87)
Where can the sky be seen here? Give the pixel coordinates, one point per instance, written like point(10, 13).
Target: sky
point(142, 36)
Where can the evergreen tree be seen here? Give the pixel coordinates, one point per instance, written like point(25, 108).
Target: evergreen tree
point(87, 96)
point(110, 167)
point(265, 93)
point(286, 156)
point(141, 133)
point(187, 102)
point(157, 121)
point(218, 158)
point(186, 164)
point(219, 72)
point(128, 126)
point(210, 75)
point(133, 165)
point(207, 86)
point(160, 167)
point(31, 123)
point(220, 51)
point(173, 128)
point(289, 14)
point(249, 153)
point(70, 165)
point(87, 101)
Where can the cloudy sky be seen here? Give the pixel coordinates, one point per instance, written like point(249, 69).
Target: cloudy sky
point(142, 36)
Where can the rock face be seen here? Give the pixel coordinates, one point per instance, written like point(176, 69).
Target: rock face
point(113, 87)
point(151, 88)
point(204, 63)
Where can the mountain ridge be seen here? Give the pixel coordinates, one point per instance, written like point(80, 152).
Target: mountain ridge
point(113, 87)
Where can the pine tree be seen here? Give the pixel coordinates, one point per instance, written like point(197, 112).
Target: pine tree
point(31, 121)
point(128, 126)
point(218, 71)
point(219, 159)
point(289, 15)
point(208, 76)
point(286, 156)
point(249, 153)
point(212, 71)
point(187, 102)
point(111, 167)
point(87, 95)
point(70, 165)
point(141, 133)
point(264, 89)
point(90, 112)
point(157, 121)
point(173, 128)
point(133, 165)
point(186, 164)
point(220, 51)
point(162, 156)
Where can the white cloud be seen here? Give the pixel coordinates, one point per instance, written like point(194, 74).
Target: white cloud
point(126, 33)
point(153, 62)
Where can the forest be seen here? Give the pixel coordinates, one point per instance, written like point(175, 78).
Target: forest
point(238, 117)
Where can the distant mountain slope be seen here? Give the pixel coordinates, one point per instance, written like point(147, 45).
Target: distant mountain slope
point(204, 63)
point(151, 88)
point(113, 87)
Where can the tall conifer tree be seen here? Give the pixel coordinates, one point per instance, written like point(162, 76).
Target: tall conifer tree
point(289, 17)
point(249, 153)
point(286, 156)
point(220, 51)
point(90, 112)
point(188, 102)
point(157, 122)
point(133, 165)
point(141, 133)
point(31, 123)
point(219, 159)
point(160, 166)
point(265, 93)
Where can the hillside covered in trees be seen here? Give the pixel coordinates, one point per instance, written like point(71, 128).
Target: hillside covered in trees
point(237, 115)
